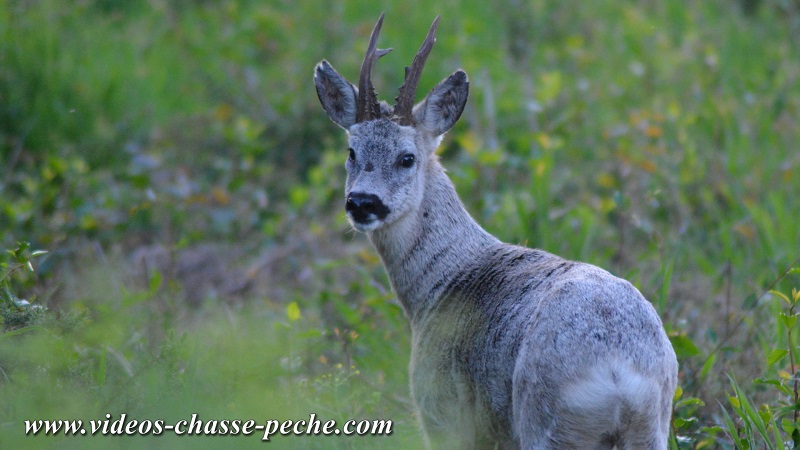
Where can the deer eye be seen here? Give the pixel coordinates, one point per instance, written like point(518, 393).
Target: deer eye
point(352, 156)
point(407, 160)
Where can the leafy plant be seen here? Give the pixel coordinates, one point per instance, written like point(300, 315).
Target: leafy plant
point(754, 428)
point(773, 423)
point(17, 313)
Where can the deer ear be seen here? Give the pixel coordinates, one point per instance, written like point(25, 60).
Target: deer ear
point(444, 104)
point(337, 95)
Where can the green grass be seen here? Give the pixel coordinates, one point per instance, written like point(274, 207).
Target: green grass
point(173, 159)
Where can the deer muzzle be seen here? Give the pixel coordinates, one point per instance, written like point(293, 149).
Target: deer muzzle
point(365, 208)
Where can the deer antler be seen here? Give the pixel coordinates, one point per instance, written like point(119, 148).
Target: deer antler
point(404, 102)
point(368, 107)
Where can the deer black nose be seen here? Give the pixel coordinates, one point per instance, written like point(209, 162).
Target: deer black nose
point(365, 207)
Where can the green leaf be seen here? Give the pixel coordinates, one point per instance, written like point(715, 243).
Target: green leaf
point(673, 441)
point(773, 382)
point(776, 434)
point(789, 321)
point(549, 86)
point(684, 347)
point(155, 282)
point(788, 426)
point(781, 295)
point(750, 413)
point(734, 401)
point(299, 196)
point(19, 252)
point(732, 430)
point(680, 423)
point(293, 311)
point(691, 401)
point(678, 394)
point(5, 294)
point(707, 366)
point(776, 355)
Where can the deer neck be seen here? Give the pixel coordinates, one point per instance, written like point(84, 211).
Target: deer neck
point(424, 250)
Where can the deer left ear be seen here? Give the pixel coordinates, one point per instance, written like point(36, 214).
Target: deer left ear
point(443, 106)
point(337, 95)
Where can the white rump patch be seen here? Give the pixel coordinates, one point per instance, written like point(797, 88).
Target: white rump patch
point(598, 401)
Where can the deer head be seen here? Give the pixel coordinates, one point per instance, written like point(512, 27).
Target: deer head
point(390, 147)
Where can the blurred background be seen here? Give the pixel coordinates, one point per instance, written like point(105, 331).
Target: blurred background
point(173, 159)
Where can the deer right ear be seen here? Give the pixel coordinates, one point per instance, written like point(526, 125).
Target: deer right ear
point(337, 95)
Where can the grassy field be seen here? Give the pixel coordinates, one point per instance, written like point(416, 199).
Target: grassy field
point(173, 160)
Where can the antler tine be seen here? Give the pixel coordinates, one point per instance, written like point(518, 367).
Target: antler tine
point(368, 106)
point(404, 102)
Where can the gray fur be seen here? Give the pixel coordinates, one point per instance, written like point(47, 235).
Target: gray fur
point(512, 348)
point(443, 106)
point(337, 95)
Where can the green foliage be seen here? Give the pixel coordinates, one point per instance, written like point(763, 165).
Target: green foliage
point(15, 313)
point(776, 422)
point(655, 139)
point(686, 430)
point(127, 356)
point(755, 428)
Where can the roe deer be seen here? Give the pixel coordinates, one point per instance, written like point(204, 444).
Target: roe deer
point(512, 348)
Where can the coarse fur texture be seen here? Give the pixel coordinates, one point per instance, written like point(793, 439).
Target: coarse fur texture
point(512, 348)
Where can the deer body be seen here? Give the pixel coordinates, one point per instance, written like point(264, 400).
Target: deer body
point(512, 348)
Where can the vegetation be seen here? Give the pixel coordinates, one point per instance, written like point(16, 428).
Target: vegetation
point(172, 158)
